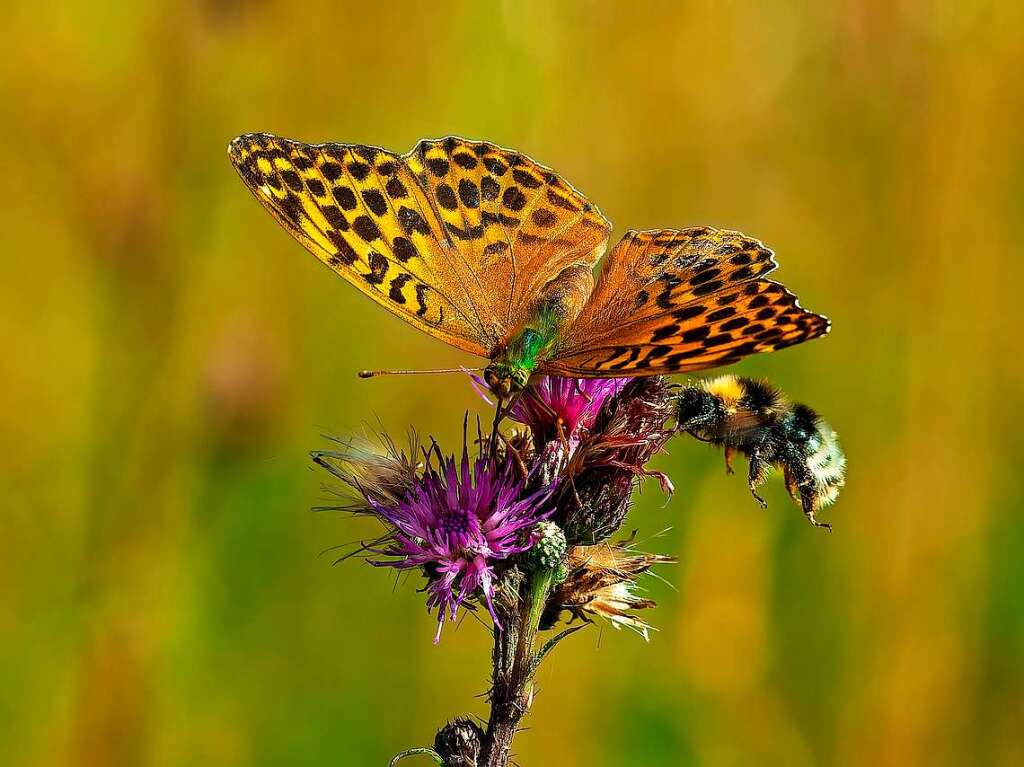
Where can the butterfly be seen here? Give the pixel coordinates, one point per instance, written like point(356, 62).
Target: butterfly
point(494, 253)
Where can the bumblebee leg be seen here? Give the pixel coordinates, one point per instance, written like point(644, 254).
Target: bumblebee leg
point(807, 502)
point(755, 476)
point(729, 453)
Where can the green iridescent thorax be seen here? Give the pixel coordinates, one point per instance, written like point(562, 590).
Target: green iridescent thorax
point(511, 368)
point(558, 304)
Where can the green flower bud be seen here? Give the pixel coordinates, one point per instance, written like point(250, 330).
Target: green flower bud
point(548, 553)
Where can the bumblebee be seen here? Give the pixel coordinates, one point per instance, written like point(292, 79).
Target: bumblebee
point(753, 418)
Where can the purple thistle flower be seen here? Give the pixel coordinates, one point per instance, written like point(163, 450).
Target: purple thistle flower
point(457, 522)
point(551, 403)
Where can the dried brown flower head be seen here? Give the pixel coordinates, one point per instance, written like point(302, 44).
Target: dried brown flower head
point(601, 582)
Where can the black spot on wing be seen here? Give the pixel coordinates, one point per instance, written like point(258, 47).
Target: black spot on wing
point(359, 170)
point(334, 217)
point(346, 197)
point(489, 188)
point(378, 268)
point(396, 189)
point(404, 249)
point(395, 288)
point(375, 202)
point(411, 221)
point(446, 197)
point(331, 170)
point(543, 217)
point(438, 166)
point(469, 193)
point(365, 228)
point(514, 199)
point(464, 160)
point(421, 299)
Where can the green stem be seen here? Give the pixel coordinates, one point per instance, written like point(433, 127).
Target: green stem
point(540, 586)
point(511, 687)
point(412, 752)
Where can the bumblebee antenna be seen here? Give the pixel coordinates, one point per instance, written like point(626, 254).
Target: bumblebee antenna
point(379, 373)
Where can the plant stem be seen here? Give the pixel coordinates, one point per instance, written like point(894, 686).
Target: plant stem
point(511, 683)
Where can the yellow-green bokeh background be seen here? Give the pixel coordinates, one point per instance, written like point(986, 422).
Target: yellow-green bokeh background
point(169, 354)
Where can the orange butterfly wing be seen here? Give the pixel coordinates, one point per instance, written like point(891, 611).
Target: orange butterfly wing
point(671, 301)
point(457, 237)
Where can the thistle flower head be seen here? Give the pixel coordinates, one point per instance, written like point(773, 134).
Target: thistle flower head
point(459, 743)
point(628, 430)
point(602, 582)
point(553, 406)
point(457, 520)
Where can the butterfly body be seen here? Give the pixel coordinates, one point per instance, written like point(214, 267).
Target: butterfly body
point(494, 253)
point(558, 305)
point(510, 369)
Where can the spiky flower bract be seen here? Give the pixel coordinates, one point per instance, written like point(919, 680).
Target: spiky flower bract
point(458, 520)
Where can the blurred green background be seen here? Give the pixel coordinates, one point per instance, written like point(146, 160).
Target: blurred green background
point(169, 356)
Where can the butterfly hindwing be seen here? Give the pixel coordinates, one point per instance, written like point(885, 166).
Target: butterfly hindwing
point(671, 301)
point(457, 237)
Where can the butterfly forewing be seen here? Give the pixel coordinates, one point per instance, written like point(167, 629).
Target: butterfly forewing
point(515, 224)
point(672, 301)
point(361, 211)
point(457, 237)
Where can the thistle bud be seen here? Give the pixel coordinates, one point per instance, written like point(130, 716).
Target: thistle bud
point(548, 552)
point(628, 431)
point(458, 743)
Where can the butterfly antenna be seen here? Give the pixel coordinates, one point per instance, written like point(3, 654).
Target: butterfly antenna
point(379, 373)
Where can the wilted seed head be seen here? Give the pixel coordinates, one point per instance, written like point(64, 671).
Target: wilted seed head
point(628, 431)
point(383, 475)
point(601, 582)
point(459, 743)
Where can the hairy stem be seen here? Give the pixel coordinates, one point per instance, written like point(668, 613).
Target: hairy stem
point(512, 680)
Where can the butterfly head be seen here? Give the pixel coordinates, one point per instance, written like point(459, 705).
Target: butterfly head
point(504, 379)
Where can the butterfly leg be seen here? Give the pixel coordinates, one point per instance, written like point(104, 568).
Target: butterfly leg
point(562, 438)
point(493, 443)
point(519, 459)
